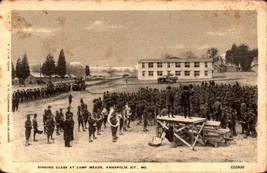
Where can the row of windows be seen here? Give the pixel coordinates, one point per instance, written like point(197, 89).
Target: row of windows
point(177, 73)
point(177, 64)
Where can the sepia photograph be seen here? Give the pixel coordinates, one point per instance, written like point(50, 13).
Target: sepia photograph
point(133, 88)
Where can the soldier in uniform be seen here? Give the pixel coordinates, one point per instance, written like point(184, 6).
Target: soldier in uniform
point(58, 122)
point(67, 125)
point(70, 100)
point(251, 124)
point(50, 128)
point(61, 119)
point(98, 117)
point(80, 118)
point(28, 128)
point(69, 115)
point(35, 127)
point(186, 101)
point(91, 127)
point(217, 110)
point(169, 101)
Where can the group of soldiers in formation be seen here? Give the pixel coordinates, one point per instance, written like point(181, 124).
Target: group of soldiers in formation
point(226, 103)
point(26, 95)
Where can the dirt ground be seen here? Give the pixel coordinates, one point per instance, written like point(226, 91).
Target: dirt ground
point(132, 146)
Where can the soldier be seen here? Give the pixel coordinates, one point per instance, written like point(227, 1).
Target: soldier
point(139, 111)
point(251, 124)
point(61, 119)
point(98, 117)
point(58, 122)
point(69, 115)
point(44, 120)
point(28, 128)
point(50, 128)
point(80, 118)
point(70, 100)
point(186, 101)
point(127, 114)
point(169, 101)
point(35, 127)
point(91, 127)
point(113, 120)
point(67, 131)
point(86, 113)
point(217, 110)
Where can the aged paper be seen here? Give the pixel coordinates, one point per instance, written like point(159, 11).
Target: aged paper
point(118, 40)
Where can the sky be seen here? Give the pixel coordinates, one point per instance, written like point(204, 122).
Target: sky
point(121, 38)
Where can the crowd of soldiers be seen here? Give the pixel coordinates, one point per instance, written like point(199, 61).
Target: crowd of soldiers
point(26, 95)
point(227, 103)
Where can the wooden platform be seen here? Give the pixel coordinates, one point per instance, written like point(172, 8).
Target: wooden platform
point(182, 119)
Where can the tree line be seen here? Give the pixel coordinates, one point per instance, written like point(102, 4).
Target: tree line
point(48, 68)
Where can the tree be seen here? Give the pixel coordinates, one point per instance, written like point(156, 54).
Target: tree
point(61, 66)
point(241, 55)
point(87, 70)
point(13, 73)
point(25, 68)
point(212, 52)
point(48, 67)
point(19, 70)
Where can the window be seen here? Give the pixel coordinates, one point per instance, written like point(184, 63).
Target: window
point(150, 73)
point(159, 64)
point(168, 72)
point(143, 73)
point(206, 72)
point(196, 64)
point(196, 73)
point(159, 73)
point(168, 65)
point(206, 64)
point(177, 64)
point(187, 64)
point(178, 73)
point(187, 73)
point(143, 65)
point(150, 65)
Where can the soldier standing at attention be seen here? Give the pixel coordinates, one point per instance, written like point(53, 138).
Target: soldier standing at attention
point(49, 126)
point(67, 131)
point(80, 118)
point(28, 128)
point(169, 101)
point(35, 128)
point(186, 101)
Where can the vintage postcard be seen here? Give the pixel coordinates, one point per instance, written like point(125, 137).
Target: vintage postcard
point(133, 86)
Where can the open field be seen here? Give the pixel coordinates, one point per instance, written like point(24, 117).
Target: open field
point(132, 146)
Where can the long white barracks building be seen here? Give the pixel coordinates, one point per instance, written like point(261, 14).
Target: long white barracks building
point(152, 69)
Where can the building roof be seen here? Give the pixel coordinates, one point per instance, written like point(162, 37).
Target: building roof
point(176, 60)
